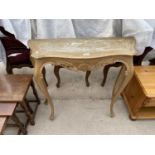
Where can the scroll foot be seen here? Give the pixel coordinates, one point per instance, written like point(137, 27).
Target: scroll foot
point(32, 122)
point(51, 117)
point(112, 114)
point(45, 102)
point(58, 85)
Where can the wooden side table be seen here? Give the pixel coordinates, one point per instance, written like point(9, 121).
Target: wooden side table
point(85, 55)
point(13, 89)
point(7, 110)
point(139, 95)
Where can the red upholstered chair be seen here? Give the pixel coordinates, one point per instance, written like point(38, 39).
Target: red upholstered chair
point(17, 54)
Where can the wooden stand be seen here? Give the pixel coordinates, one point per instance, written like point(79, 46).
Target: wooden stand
point(13, 89)
point(139, 95)
point(7, 110)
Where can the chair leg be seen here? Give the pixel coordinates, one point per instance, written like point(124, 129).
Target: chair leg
point(106, 69)
point(152, 62)
point(19, 124)
point(137, 60)
point(87, 77)
point(56, 72)
point(9, 69)
point(35, 92)
point(105, 73)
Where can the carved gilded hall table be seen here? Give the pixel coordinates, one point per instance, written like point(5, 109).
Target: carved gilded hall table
point(83, 54)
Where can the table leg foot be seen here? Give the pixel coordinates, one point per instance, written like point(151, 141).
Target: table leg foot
point(25, 132)
point(28, 113)
point(58, 85)
point(32, 122)
point(52, 117)
point(46, 102)
point(112, 114)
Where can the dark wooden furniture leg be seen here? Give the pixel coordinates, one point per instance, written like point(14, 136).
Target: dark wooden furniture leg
point(137, 60)
point(105, 73)
point(19, 124)
point(28, 106)
point(33, 112)
point(9, 69)
point(35, 92)
point(56, 72)
point(152, 61)
point(27, 102)
point(44, 75)
point(28, 113)
point(106, 70)
point(87, 77)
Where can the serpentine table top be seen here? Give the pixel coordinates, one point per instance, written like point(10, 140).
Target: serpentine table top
point(85, 48)
point(83, 54)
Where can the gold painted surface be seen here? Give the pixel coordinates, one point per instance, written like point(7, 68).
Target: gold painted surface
point(82, 48)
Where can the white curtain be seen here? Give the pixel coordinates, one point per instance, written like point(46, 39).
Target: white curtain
point(151, 23)
point(62, 28)
point(141, 30)
point(25, 29)
point(21, 28)
point(55, 28)
point(94, 27)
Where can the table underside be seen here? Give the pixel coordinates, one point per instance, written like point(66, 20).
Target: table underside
point(90, 64)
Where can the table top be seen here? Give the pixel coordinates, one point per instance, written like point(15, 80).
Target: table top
point(146, 77)
point(7, 109)
point(13, 88)
point(82, 47)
